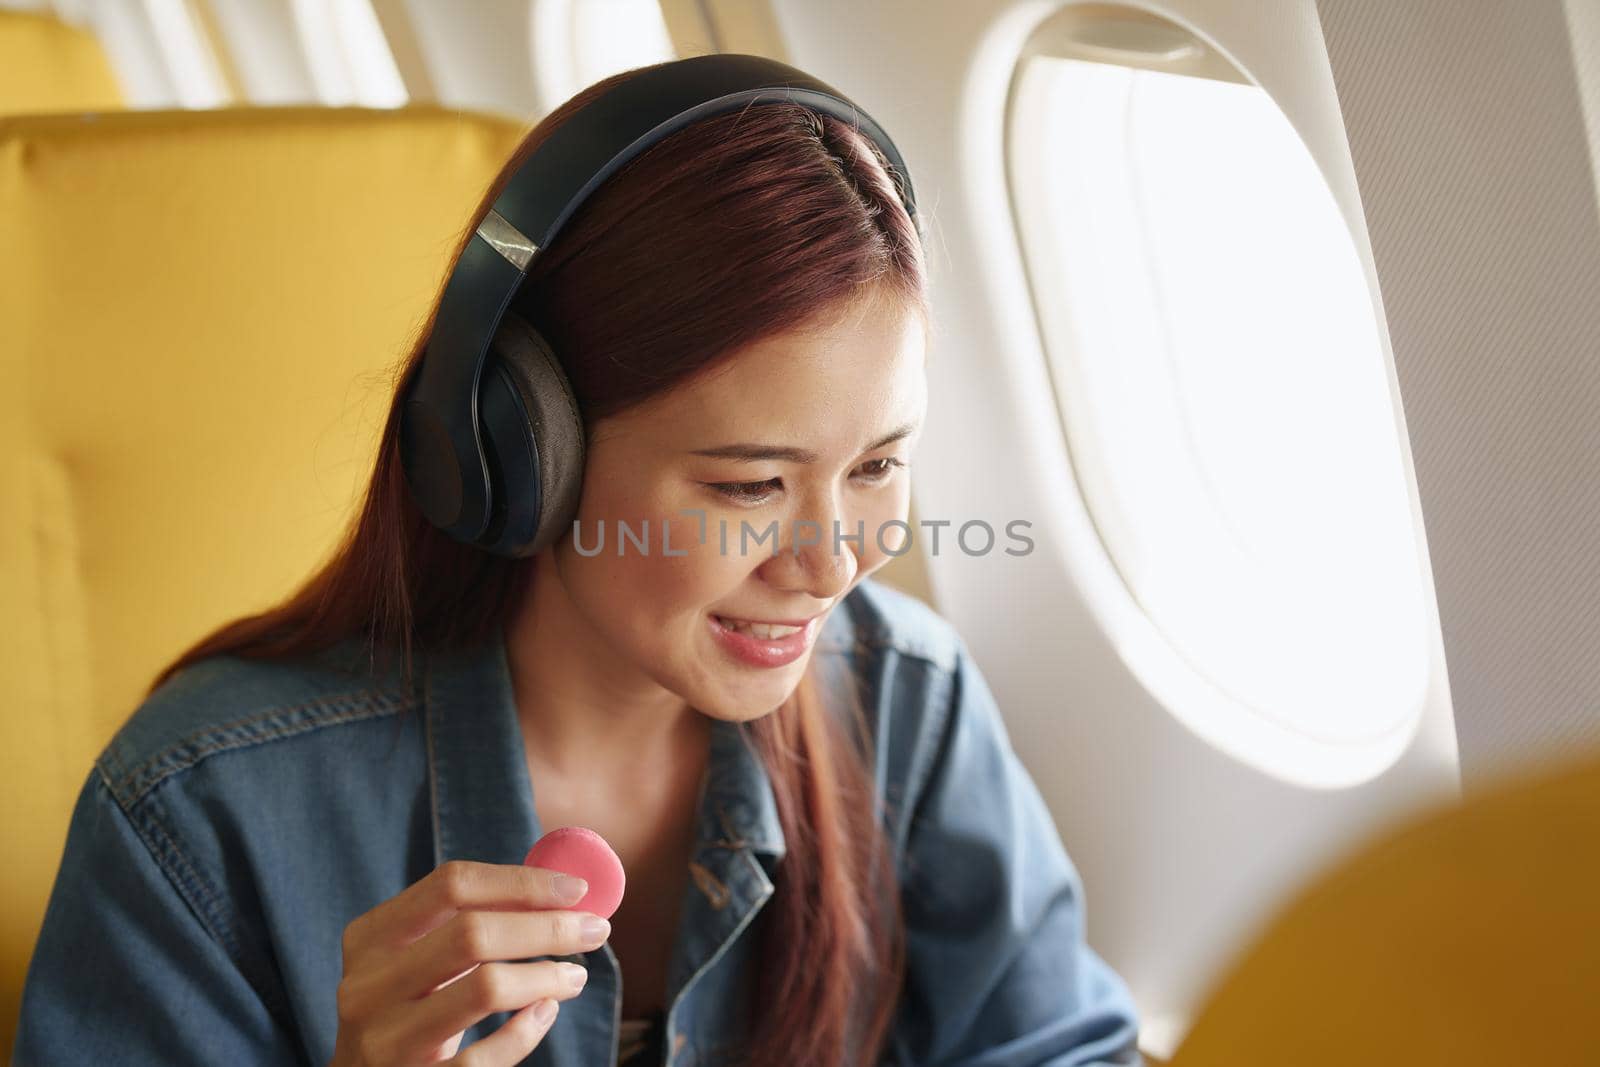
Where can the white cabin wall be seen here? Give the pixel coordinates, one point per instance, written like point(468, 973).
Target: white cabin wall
point(1467, 129)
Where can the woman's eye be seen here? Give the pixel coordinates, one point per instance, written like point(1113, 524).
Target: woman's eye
point(873, 471)
point(746, 492)
point(879, 469)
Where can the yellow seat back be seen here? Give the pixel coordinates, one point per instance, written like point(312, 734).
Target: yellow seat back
point(48, 65)
point(201, 313)
point(1469, 939)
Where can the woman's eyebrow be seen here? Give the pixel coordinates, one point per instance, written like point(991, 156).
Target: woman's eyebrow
point(788, 453)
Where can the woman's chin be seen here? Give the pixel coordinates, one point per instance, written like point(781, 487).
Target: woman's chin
point(748, 703)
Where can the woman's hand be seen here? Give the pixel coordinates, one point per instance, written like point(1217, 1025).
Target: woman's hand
point(428, 963)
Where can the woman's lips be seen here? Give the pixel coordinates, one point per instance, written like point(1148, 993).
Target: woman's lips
point(763, 652)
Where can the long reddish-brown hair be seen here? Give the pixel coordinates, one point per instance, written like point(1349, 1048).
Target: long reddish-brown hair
point(768, 219)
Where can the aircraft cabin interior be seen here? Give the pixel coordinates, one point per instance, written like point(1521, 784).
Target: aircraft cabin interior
point(1226, 376)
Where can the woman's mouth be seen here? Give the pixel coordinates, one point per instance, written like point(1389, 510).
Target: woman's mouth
point(762, 644)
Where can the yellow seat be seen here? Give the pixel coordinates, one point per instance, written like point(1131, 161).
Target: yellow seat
point(48, 65)
point(201, 313)
point(1469, 939)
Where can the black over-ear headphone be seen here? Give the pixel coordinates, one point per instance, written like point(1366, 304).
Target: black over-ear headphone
point(493, 448)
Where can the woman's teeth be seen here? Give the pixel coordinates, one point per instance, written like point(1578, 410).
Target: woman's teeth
point(764, 631)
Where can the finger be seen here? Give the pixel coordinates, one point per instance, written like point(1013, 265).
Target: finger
point(453, 886)
point(490, 988)
point(508, 1046)
point(449, 951)
point(472, 937)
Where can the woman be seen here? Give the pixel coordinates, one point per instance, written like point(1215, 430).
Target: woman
point(305, 845)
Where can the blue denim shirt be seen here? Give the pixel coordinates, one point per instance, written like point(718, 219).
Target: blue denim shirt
point(247, 811)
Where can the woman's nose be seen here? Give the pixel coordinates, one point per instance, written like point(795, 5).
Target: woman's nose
point(819, 556)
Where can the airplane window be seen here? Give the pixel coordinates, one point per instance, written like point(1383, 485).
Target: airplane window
point(577, 44)
point(1227, 410)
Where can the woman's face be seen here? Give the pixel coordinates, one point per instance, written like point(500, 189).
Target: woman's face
point(748, 537)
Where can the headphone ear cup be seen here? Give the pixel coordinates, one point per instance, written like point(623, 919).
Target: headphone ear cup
point(534, 440)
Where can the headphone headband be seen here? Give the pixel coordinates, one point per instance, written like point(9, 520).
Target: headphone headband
point(445, 461)
point(650, 107)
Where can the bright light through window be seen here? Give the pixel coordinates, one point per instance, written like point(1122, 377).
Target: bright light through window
point(618, 35)
point(1227, 410)
point(578, 43)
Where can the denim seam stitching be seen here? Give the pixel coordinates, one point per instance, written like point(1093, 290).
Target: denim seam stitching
point(179, 756)
point(201, 897)
point(196, 888)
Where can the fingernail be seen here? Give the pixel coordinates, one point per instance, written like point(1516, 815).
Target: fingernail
point(575, 976)
point(595, 929)
point(545, 1012)
point(570, 889)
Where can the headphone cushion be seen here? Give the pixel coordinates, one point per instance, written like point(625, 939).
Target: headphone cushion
point(527, 362)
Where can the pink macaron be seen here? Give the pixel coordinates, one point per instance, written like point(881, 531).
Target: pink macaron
point(579, 851)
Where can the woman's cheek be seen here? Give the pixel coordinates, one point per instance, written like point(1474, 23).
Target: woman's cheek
point(885, 526)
